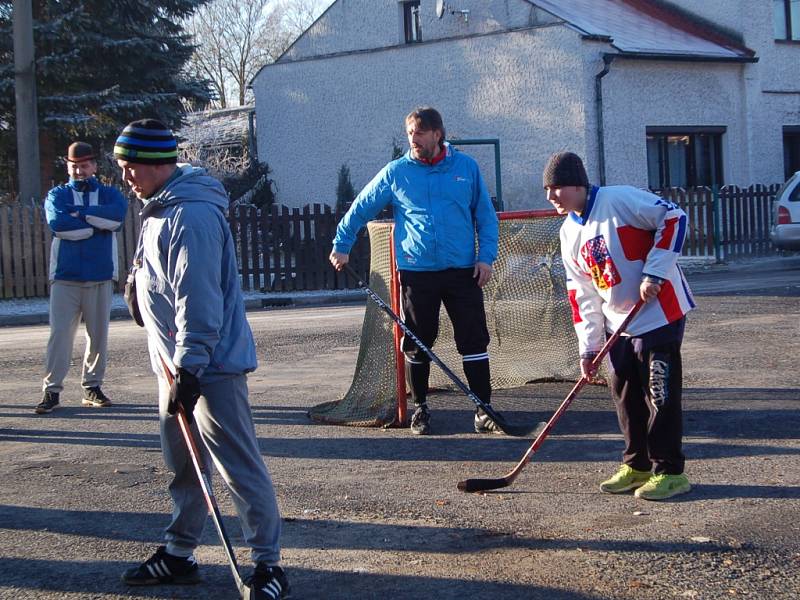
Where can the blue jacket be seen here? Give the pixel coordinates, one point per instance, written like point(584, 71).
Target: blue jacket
point(84, 247)
point(187, 280)
point(437, 211)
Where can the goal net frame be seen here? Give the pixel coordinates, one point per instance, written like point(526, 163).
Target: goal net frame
point(377, 396)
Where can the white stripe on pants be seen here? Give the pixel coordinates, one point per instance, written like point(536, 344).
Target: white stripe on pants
point(69, 301)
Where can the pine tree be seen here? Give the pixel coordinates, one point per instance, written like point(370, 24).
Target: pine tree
point(99, 65)
point(345, 194)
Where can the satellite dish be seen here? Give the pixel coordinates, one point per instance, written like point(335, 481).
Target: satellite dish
point(440, 8)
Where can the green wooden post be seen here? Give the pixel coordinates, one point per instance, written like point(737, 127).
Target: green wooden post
point(497, 180)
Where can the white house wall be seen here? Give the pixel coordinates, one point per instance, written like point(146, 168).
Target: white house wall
point(316, 115)
point(350, 25)
point(638, 94)
point(773, 93)
point(771, 86)
point(531, 88)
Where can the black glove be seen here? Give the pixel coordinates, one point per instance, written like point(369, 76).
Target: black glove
point(184, 391)
point(131, 299)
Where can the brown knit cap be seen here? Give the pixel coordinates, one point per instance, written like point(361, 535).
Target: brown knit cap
point(79, 151)
point(564, 169)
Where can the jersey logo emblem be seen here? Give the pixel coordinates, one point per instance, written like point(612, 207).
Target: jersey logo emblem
point(597, 258)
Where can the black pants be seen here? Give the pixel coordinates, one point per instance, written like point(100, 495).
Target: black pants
point(423, 293)
point(646, 387)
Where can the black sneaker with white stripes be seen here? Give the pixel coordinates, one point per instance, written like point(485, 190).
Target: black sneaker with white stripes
point(48, 403)
point(94, 396)
point(268, 583)
point(164, 568)
point(484, 423)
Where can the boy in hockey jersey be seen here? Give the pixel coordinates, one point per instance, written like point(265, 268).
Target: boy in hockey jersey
point(619, 244)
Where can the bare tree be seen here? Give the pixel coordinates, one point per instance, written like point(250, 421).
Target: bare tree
point(297, 15)
point(235, 38)
point(207, 60)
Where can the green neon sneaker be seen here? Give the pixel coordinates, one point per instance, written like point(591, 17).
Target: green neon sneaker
point(625, 479)
point(663, 486)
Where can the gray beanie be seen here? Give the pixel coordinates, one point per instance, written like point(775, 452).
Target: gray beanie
point(564, 169)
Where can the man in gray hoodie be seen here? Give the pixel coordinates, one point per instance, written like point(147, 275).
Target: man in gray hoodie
point(190, 303)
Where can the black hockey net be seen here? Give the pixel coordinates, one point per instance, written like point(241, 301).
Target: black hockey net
point(527, 311)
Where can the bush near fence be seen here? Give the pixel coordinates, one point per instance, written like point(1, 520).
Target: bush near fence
point(282, 249)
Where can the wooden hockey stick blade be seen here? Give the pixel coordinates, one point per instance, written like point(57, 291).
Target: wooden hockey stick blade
point(481, 485)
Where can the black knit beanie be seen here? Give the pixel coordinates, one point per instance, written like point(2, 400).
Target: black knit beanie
point(564, 169)
point(147, 142)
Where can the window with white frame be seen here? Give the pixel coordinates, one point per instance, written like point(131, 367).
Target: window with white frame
point(684, 157)
point(786, 19)
point(411, 22)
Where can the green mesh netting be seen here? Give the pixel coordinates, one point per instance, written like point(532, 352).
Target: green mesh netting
point(527, 312)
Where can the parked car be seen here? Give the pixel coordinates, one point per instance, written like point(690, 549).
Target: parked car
point(785, 230)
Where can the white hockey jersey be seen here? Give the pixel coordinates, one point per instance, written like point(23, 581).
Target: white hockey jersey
point(623, 234)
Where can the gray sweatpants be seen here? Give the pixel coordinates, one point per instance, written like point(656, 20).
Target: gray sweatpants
point(224, 423)
point(69, 301)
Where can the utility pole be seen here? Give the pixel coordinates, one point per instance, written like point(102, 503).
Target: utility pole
point(25, 94)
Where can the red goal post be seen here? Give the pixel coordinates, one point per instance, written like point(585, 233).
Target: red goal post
point(528, 316)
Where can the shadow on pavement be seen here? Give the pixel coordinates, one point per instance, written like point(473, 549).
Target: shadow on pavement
point(98, 576)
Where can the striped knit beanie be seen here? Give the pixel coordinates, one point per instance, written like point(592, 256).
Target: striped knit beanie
point(147, 142)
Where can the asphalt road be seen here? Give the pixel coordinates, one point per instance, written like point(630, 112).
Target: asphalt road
point(776, 278)
point(376, 513)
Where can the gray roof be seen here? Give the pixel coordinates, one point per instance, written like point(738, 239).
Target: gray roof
point(216, 128)
point(646, 27)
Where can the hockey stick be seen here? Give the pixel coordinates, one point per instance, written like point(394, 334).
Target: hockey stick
point(205, 485)
point(515, 430)
point(481, 485)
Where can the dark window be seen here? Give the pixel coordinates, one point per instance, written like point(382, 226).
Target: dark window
point(688, 157)
point(791, 151)
point(786, 19)
point(411, 23)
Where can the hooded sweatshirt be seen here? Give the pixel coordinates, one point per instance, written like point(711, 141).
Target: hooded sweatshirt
point(187, 280)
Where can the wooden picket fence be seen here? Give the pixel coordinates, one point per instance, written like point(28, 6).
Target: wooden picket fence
point(280, 249)
point(745, 217)
point(25, 241)
point(728, 223)
point(284, 249)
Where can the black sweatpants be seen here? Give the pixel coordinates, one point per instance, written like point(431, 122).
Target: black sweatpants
point(423, 293)
point(646, 384)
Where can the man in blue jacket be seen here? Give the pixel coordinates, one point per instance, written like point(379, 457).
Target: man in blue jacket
point(191, 305)
point(440, 204)
point(84, 216)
